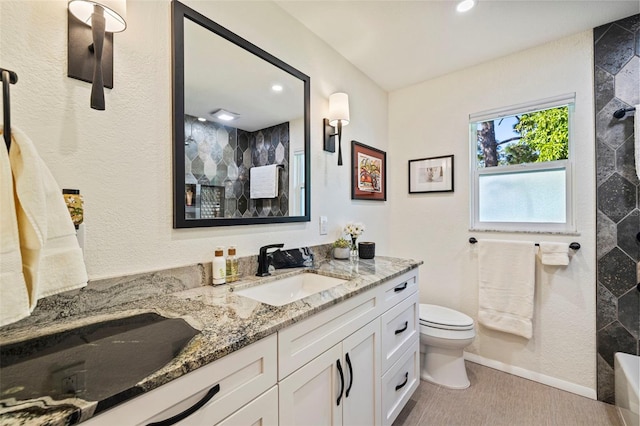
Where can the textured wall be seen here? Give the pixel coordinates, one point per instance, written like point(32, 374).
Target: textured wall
point(431, 119)
point(617, 85)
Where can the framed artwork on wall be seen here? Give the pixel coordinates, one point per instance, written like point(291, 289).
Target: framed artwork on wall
point(368, 173)
point(433, 174)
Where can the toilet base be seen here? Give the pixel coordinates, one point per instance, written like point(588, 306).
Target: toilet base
point(444, 367)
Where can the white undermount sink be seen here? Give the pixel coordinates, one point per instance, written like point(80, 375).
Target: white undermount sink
point(289, 289)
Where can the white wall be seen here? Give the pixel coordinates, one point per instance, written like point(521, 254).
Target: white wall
point(431, 119)
point(120, 158)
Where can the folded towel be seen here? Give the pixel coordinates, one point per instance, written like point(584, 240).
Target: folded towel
point(264, 182)
point(52, 261)
point(14, 298)
point(554, 253)
point(636, 130)
point(506, 287)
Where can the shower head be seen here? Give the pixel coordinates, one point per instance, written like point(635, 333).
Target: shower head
point(622, 111)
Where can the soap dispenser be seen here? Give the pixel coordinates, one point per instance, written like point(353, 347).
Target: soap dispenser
point(219, 267)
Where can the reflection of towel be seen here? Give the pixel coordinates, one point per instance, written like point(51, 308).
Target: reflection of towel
point(264, 181)
point(14, 299)
point(506, 287)
point(554, 253)
point(51, 258)
point(636, 130)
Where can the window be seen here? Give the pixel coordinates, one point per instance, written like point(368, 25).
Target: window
point(521, 167)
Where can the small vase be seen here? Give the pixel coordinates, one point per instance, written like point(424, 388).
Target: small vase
point(354, 248)
point(341, 252)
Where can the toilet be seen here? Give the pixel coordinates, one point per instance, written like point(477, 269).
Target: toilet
point(444, 333)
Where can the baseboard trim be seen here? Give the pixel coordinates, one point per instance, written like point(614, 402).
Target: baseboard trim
point(532, 375)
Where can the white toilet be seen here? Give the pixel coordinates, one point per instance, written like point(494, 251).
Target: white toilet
point(444, 333)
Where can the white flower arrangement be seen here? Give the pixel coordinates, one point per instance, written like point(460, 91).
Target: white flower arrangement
point(354, 229)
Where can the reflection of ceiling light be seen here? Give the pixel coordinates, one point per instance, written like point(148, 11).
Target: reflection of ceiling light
point(224, 115)
point(202, 119)
point(276, 88)
point(465, 5)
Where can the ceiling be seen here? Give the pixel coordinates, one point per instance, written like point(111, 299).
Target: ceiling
point(399, 43)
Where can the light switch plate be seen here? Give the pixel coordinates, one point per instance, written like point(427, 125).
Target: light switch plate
point(323, 225)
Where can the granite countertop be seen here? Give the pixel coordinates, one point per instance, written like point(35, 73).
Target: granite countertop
point(225, 320)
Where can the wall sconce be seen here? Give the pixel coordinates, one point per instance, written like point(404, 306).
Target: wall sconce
point(91, 25)
point(338, 117)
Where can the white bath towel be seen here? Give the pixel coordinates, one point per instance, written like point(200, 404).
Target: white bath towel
point(264, 181)
point(52, 261)
point(554, 253)
point(14, 298)
point(636, 131)
point(506, 287)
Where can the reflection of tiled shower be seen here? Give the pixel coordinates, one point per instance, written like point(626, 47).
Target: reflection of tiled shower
point(617, 65)
point(217, 163)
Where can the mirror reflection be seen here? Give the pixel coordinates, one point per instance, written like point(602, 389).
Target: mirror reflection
point(244, 145)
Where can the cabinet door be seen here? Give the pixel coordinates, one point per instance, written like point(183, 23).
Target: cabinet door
point(362, 399)
point(309, 396)
point(262, 411)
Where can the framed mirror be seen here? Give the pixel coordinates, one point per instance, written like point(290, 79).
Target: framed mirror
point(240, 129)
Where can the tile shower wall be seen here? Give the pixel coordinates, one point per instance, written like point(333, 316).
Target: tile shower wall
point(616, 79)
point(219, 159)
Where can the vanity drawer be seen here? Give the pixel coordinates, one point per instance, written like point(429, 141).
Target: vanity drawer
point(302, 342)
point(241, 376)
point(399, 383)
point(400, 327)
point(399, 288)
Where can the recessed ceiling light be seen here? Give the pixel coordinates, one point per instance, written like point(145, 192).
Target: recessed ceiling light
point(202, 119)
point(465, 5)
point(224, 115)
point(277, 88)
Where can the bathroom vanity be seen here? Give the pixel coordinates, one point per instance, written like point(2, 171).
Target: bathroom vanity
point(345, 355)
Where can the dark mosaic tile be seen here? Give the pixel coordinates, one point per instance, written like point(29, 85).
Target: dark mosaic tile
point(614, 338)
point(238, 155)
point(275, 209)
point(221, 174)
point(629, 311)
point(610, 130)
point(605, 162)
point(614, 49)
point(603, 88)
point(627, 83)
point(243, 140)
point(233, 139)
point(284, 205)
point(638, 43)
point(271, 156)
point(625, 161)
point(238, 189)
point(242, 204)
point(197, 168)
point(616, 197)
point(607, 307)
point(617, 272)
point(606, 381)
point(263, 158)
point(626, 235)
point(598, 32)
point(631, 23)
point(606, 235)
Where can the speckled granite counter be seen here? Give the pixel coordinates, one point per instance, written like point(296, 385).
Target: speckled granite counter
point(226, 322)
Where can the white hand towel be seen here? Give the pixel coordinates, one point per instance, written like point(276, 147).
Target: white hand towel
point(264, 182)
point(554, 253)
point(506, 287)
point(52, 261)
point(14, 298)
point(636, 131)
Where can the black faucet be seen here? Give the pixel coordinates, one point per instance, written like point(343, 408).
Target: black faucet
point(263, 262)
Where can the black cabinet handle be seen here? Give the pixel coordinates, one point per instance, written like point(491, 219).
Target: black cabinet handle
point(400, 287)
point(341, 381)
point(346, 395)
point(189, 411)
point(406, 379)
point(406, 325)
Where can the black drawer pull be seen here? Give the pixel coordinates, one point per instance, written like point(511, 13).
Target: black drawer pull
point(346, 395)
point(406, 325)
point(406, 379)
point(189, 411)
point(400, 287)
point(341, 381)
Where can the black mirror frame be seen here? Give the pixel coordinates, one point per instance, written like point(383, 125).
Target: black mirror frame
point(180, 12)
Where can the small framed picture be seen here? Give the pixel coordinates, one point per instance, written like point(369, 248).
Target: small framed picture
point(434, 174)
point(369, 173)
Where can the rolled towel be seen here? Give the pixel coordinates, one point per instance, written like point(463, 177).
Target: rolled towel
point(554, 253)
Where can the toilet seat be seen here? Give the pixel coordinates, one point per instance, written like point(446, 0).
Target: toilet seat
point(444, 318)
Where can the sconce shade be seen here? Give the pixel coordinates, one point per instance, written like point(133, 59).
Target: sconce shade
point(115, 12)
point(339, 109)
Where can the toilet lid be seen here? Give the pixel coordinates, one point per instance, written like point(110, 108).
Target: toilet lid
point(441, 317)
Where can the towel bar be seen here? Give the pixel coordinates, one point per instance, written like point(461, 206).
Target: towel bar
point(572, 246)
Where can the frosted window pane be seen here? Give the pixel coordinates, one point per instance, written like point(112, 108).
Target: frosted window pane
point(536, 197)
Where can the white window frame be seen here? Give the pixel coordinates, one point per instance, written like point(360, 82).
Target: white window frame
point(567, 227)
